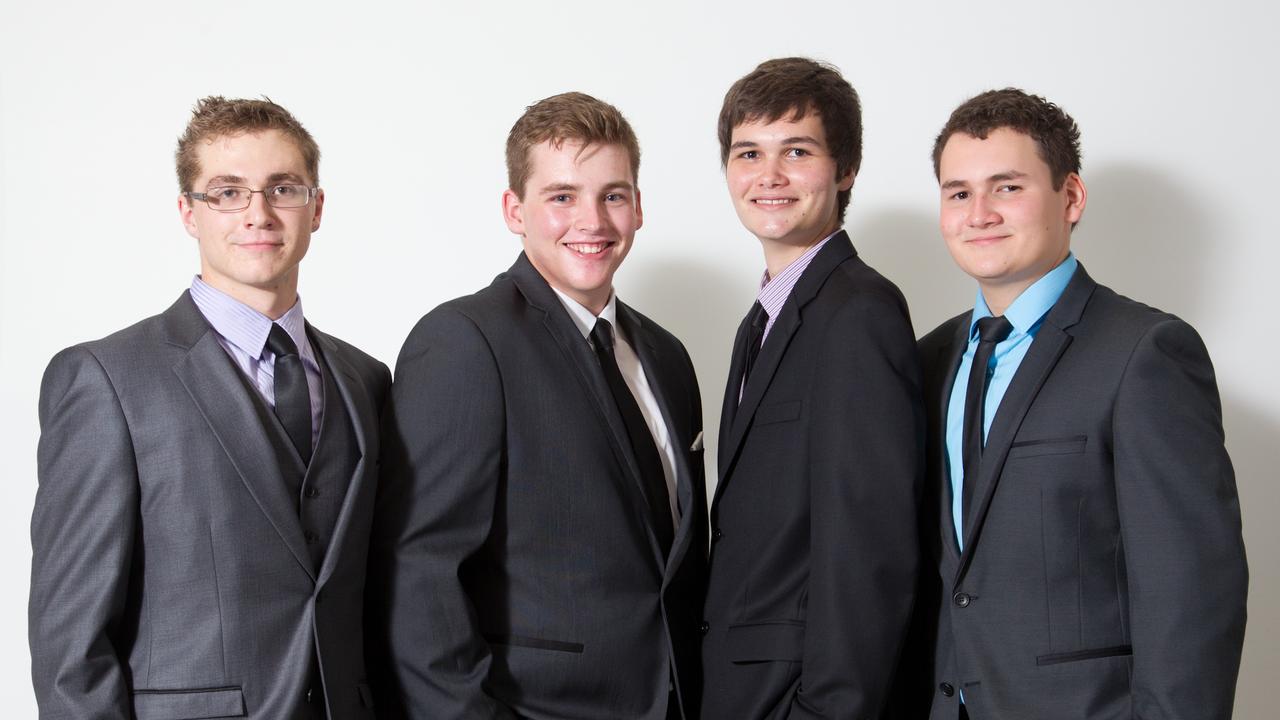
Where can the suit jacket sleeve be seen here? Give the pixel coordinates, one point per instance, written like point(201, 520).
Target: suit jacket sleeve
point(866, 450)
point(1180, 526)
point(443, 444)
point(82, 537)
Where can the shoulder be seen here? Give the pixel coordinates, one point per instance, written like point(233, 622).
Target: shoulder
point(371, 370)
point(944, 334)
point(855, 286)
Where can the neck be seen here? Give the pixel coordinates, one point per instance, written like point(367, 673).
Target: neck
point(778, 254)
point(273, 302)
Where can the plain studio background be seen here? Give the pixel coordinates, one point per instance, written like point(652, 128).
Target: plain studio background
point(411, 103)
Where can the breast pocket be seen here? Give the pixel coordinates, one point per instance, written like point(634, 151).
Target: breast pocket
point(1070, 445)
point(777, 412)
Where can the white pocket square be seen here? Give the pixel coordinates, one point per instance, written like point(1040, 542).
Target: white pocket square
point(697, 443)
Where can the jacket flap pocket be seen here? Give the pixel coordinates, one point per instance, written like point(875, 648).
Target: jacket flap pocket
point(756, 642)
point(188, 704)
point(777, 412)
point(1049, 446)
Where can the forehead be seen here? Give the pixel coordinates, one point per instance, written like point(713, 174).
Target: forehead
point(574, 158)
point(1003, 150)
point(784, 128)
point(251, 155)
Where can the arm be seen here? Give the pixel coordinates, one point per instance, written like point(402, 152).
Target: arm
point(82, 535)
point(443, 445)
point(1180, 525)
point(866, 457)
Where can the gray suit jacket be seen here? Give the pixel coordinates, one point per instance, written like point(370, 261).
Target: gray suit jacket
point(515, 570)
point(170, 574)
point(1103, 572)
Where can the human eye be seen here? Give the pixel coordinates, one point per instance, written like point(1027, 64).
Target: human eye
point(1009, 188)
point(749, 154)
point(285, 191)
point(797, 152)
point(959, 195)
point(226, 194)
point(615, 197)
point(561, 198)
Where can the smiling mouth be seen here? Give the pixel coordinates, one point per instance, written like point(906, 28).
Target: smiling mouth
point(773, 202)
point(589, 248)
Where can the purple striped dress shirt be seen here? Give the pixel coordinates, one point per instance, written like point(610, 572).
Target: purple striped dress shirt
point(242, 332)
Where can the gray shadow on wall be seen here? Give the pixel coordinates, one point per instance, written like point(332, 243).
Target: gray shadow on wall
point(1251, 440)
point(702, 305)
point(1144, 236)
point(905, 246)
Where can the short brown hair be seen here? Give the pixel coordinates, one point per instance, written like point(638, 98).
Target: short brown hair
point(216, 116)
point(794, 87)
point(1056, 135)
point(567, 116)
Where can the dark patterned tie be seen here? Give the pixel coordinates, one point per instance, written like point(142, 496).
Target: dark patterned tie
point(755, 338)
point(642, 444)
point(991, 331)
point(293, 399)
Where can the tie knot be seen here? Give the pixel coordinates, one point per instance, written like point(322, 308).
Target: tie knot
point(994, 329)
point(759, 316)
point(279, 342)
point(602, 335)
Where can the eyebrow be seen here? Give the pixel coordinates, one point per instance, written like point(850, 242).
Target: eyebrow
point(237, 180)
point(794, 140)
point(569, 187)
point(998, 177)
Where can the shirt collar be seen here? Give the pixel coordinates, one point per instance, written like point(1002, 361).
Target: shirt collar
point(246, 328)
point(1033, 304)
point(774, 291)
point(584, 319)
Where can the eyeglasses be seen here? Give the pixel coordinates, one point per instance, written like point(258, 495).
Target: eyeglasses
point(231, 198)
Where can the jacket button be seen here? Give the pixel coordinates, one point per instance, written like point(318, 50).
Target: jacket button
point(716, 534)
point(311, 537)
point(961, 599)
point(947, 689)
point(311, 492)
point(704, 628)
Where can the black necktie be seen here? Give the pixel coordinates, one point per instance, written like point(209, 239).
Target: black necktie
point(642, 444)
point(293, 399)
point(755, 337)
point(991, 330)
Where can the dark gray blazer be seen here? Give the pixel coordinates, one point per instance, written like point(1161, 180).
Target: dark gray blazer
point(1103, 573)
point(814, 550)
point(170, 575)
point(517, 572)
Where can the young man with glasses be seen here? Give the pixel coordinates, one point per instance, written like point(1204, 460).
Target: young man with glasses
point(207, 475)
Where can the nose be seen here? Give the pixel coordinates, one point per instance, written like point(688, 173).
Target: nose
point(982, 213)
point(771, 174)
point(260, 214)
point(591, 218)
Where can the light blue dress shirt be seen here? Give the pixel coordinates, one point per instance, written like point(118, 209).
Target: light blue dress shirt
point(1026, 314)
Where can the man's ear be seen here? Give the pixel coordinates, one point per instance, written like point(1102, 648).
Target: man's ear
point(513, 211)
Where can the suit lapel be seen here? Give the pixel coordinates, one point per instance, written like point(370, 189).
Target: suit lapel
point(837, 250)
point(363, 422)
point(582, 358)
point(1047, 347)
point(221, 394)
point(661, 383)
point(730, 408)
point(949, 361)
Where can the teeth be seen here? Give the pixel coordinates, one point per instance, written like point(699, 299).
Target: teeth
point(589, 249)
point(773, 202)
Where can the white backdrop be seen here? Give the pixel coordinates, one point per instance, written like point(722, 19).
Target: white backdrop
point(411, 103)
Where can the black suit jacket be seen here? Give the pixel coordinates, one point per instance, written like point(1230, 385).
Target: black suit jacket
point(170, 573)
point(1103, 572)
point(518, 572)
point(814, 550)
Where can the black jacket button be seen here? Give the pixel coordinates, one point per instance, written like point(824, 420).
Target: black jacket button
point(947, 689)
point(704, 628)
point(716, 534)
point(961, 599)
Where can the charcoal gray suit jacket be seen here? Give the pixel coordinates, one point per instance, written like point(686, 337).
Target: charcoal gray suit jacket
point(1103, 572)
point(171, 577)
point(516, 572)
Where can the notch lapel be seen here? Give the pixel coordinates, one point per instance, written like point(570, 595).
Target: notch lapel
point(221, 394)
point(837, 250)
point(949, 358)
point(1046, 349)
point(730, 408)
point(582, 358)
point(678, 430)
point(364, 423)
